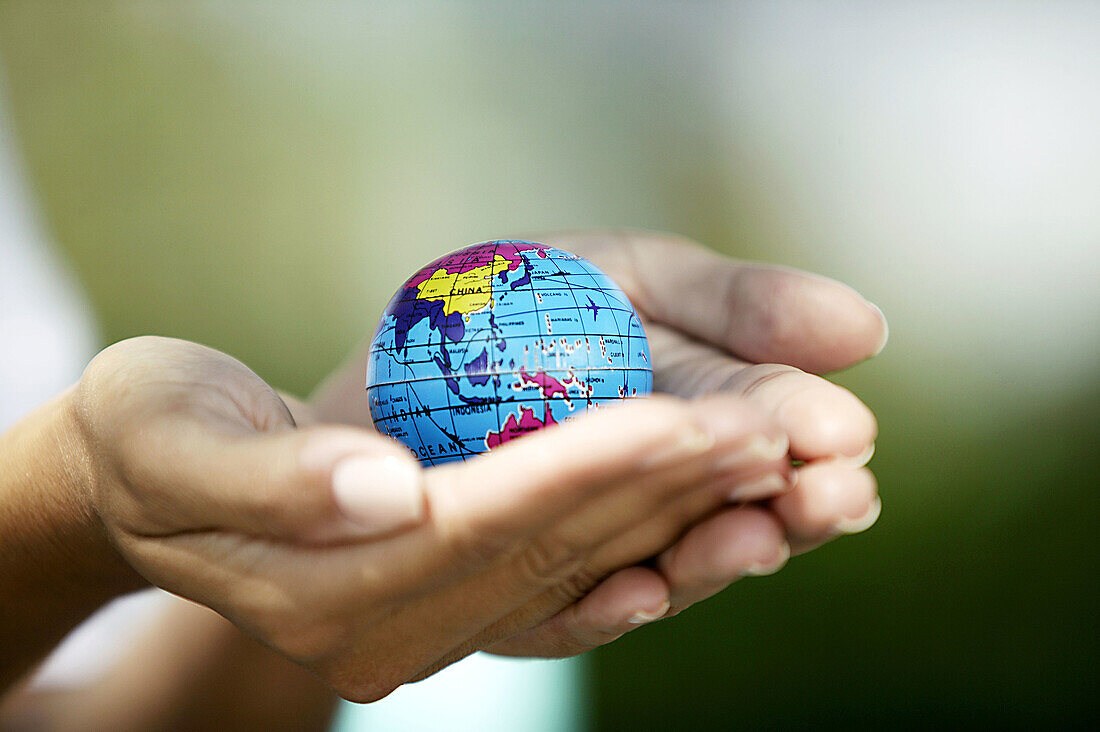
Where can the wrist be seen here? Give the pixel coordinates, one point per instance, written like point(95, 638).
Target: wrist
point(86, 544)
point(57, 564)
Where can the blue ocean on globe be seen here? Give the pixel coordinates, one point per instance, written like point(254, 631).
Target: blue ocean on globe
point(497, 340)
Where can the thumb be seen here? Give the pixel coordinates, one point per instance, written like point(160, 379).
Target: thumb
point(319, 484)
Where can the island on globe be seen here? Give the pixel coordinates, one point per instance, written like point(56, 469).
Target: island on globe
point(499, 339)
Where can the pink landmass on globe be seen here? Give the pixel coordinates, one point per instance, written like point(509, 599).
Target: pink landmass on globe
point(511, 429)
point(466, 259)
point(548, 385)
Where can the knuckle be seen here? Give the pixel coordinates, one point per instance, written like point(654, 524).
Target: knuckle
point(548, 561)
point(578, 584)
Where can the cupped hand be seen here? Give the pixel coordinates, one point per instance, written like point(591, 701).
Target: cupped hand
point(762, 332)
point(333, 546)
point(718, 325)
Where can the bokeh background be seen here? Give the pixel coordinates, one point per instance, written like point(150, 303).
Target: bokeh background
point(260, 176)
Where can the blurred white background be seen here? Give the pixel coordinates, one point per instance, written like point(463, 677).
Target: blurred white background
point(943, 157)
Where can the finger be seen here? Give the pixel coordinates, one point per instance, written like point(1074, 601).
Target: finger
point(828, 500)
point(644, 515)
point(658, 444)
point(758, 481)
point(319, 484)
point(626, 600)
point(516, 529)
point(820, 418)
point(528, 530)
point(738, 542)
point(760, 313)
point(660, 527)
point(492, 512)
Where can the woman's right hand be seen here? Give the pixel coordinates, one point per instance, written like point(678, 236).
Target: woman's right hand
point(334, 547)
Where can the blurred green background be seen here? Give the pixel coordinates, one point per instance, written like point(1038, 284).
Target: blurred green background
point(260, 176)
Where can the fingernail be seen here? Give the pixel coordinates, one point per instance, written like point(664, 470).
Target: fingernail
point(378, 494)
point(856, 461)
point(885, 328)
point(759, 449)
point(763, 569)
point(646, 616)
point(861, 523)
point(762, 487)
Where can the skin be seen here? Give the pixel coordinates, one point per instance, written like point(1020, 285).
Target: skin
point(719, 326)
point(174, 464)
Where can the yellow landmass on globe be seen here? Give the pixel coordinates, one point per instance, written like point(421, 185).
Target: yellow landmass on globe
point(463, 292)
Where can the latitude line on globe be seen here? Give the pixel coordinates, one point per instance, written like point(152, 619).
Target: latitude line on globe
point(489, 373)
point(407, 346)
point(455, 407)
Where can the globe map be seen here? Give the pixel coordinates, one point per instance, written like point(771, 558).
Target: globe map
point(497, 340)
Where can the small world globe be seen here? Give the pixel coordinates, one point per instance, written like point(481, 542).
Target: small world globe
point(497, 340)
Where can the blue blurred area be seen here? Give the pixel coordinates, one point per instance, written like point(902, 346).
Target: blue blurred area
point(509, 694)
point(260, 177)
